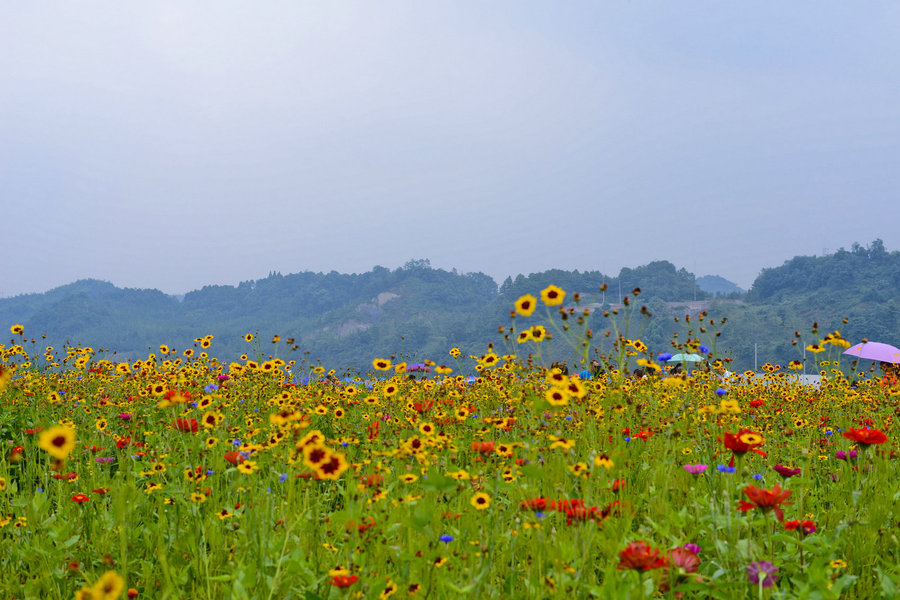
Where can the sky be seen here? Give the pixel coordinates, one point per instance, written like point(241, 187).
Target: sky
point(173, 145)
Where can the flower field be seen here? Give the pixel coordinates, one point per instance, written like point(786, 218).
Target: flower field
point(179, 476)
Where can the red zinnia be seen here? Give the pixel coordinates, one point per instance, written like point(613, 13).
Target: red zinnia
point(343, 581)
point(765, 500)
point(187, 425)
point(865, 436)
point(642, 557)
point(806, 526)
point(79, 498)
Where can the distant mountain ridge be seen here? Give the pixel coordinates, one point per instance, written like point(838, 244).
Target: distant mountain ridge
point(718, 286)
point(418, 312)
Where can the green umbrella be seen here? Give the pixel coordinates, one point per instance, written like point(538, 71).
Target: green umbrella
point(686, 358)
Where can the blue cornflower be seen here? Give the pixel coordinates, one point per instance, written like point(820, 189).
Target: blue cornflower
point(210, 388)
point(627, 438)
point(540, 515)
point(446, 538)
point(664, 356)
point(282, 478)
point(704, 349)
point(725, 469)
point(210, 472)
point(721, 392)
point(235, 442)
point(757, 476)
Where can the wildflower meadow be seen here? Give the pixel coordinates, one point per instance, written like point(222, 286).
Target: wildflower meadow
point(492, 475)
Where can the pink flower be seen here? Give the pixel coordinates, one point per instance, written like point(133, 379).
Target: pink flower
point(695, 469)
point(126, 416)
point(786, 471)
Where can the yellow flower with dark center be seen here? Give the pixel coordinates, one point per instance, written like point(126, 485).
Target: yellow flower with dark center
point(100, 424)
point(198, 497)
point(455, 352)
point(108, 587)
point(604, 461)
point(58, 441)
point(315, 455)
point(480, 501)
point(752, 439)
point(552, 295)
point(526, 305)
point(409, 478)
point(248, 337)
point(390, 390)
point(333, 468)
point(524, 336)
point(248, 467)
point(557, 396)
point(388, 590)
point(537, 333)
point(17, 330)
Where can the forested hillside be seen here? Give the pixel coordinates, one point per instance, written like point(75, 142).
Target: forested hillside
point(417, 312)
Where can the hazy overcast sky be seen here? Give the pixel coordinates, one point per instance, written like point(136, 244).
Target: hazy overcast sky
point(172, 145)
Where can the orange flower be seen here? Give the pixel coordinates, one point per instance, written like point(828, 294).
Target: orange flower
point(765, 500)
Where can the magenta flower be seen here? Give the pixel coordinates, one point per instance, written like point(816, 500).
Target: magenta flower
point(695, 469)
point(841, 455)
point(786, 471)
point(692, 547)
point(763, 571)
point(126, 416)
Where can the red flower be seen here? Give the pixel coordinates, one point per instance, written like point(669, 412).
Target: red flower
point(79, 498)
point(101, 491)
point(642, 557)
point(865, 436)
point(806, 526)
point(743, 441)
point(483, 447)
point(186, 425)
point(72, 475)
point(537, 504)
point(234, 457)
point(684, 559)
point(343, 581)
point(765, 500)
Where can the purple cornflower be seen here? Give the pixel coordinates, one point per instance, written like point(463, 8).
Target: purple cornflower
point(126, 416)
point(692, 548)
point(762, 571)
point(104, 459)
point(695, 469)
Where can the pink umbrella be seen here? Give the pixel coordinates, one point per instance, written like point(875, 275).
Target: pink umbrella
point(875, 351)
